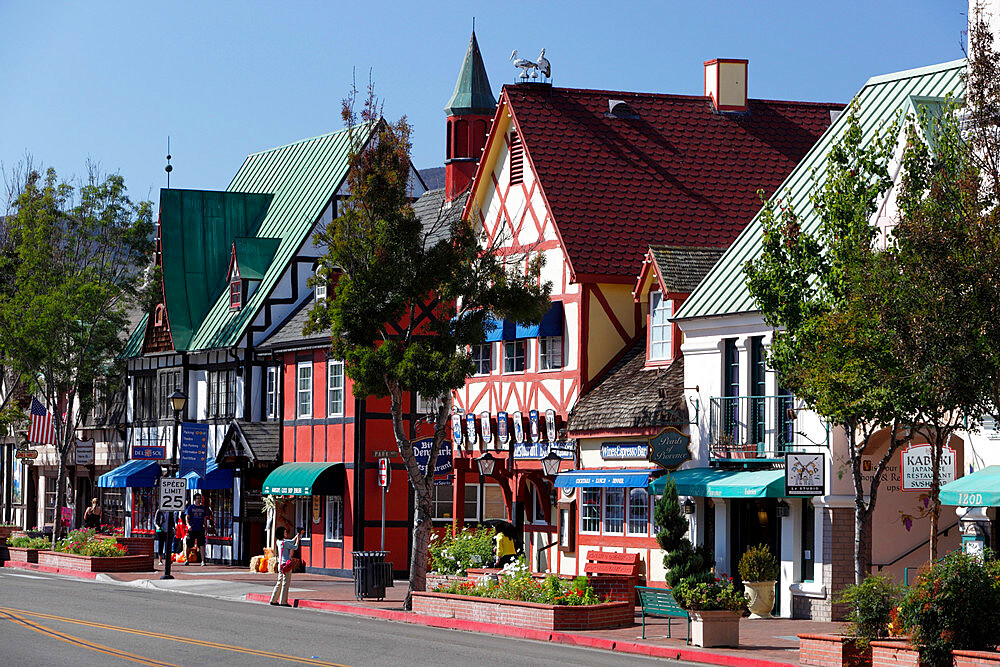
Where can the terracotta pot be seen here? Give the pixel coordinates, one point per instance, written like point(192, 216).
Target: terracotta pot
point(715, 628)
point(760, 598)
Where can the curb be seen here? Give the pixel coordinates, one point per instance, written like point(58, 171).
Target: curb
point(568, 638)
point(35, 567)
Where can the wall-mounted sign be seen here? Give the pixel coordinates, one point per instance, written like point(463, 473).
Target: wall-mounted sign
point(317, 507)
point(804, 474)
point(503, 435)
point(422, 452)
point(917, 469)
point(456, 429)
point(149, 452)
point(669, 448)
point(550, 425)
point(85, 452)
point(518, 427)
point(538, 450)
point(533, 426)
point(485, 427)
point(624, 451)
point(470, 429)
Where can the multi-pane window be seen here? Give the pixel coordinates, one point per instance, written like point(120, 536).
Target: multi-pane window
point(303, 516)
point(493, 504)
point(220, 501)
point(614, 510)
point(638, 511)
point(303, 389)
point(272, 392)
point(758, 388)
point(785, 417)
point(659, 326)
point(144, 397)
point(235, 295)
point(482, 358)
point(50, 499)
point(514, 353)
point(222, 393)
point(550, 352)
point(144, 509)
point(334, 387)
point(334, 518)
point(169, 381)
point(731, 390)
point(590, 510)
point(443, 503)
point(319, 290)
point(427, 406)
point(113, 508)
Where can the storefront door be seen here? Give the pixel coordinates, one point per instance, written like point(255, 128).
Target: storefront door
point(753, 521)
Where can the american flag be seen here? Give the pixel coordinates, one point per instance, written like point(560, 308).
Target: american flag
point(41, 432)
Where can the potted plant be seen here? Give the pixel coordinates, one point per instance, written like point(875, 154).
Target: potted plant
point(758, 570)
point(715, 609)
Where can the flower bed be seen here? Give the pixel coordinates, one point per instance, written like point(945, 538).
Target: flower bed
point(832, 651)
point(67, 561)
point(525, 614)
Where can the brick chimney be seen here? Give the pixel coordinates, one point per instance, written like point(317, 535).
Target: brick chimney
point(726, 84)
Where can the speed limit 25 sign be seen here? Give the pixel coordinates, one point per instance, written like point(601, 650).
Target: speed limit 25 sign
point(172, 493)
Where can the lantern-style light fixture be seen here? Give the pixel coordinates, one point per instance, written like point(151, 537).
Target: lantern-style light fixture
point(178, 400)
point(486, 463)
point(688, 506)
point(783, 509)
point(550, 464)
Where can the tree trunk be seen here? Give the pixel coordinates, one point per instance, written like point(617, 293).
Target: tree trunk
point(937, 449)
point(861, 511)
point(422, 523)
point(60, 500)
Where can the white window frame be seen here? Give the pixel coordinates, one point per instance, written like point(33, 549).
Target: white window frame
point(660, 331)
point(425, 405)
point(319, 290)
point(334, 373)
point(550, 353)
point(334, 530)
point(600, 512)
point(478, 359)
point(628, 513)
point(604, 511)
point(272, 392)
point(301, 392)
point(303, 516)
point(524, 355)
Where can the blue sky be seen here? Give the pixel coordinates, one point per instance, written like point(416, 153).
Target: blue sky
point(108, 81)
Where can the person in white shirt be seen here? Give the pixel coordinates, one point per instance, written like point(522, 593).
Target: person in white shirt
point(283, 550)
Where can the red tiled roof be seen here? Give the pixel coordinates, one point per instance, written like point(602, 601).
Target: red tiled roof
point(679, 174)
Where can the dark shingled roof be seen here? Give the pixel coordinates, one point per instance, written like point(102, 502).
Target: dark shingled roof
point(681, 269)
point(629, 396)
point(257, 441)
point(290, 333)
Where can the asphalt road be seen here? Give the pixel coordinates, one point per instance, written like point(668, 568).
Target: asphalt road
point(49, 620)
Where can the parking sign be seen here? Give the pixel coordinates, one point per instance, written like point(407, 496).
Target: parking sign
point(172, 492)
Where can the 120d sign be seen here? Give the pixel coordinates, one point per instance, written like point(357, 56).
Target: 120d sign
point(172, 493)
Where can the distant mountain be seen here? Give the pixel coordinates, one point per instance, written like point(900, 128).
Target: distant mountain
point(433, 178)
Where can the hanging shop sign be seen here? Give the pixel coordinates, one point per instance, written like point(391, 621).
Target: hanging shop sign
point(317, 509)
point(624, 451)
point(26, 454)
point(917, 470)
point(503, 435)
point(85, 452)
point(485, 427)
point(550, 425)
point(669, 448)
point(422, 452)
point(456, 429)
point(533, 426)
point(518, 427)
point(805, 473)
point(470, 429)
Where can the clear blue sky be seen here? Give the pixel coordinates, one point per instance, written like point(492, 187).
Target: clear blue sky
point(109, 81)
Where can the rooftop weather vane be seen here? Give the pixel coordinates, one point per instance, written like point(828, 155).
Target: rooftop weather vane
point(169, 168)
point(531, 69)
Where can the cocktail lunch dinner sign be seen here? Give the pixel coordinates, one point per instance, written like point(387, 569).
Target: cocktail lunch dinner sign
point(917, 469)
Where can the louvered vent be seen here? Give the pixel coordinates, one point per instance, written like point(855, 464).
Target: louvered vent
point(516, 159)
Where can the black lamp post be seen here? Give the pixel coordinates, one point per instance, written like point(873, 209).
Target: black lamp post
point(178, 400)
point(487, 462)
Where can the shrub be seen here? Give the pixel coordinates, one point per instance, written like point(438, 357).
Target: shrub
point(709, 596)
point(871, 607)
point(28, 542)
point(758, 564)
point(955, 604)
point(683, 561)
point(455, 554)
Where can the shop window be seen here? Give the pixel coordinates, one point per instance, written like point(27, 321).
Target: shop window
point(482, 358)
point(334, 518)
point(442, 503)
point(113, 508)
point(590, 510)
point(220, 501)
point(808, 540)
point(169, 381)
point(50, 500)
point(334, 388)
point(538, 502)
point(303, 517)
point(614, 511)
point(272, 392)
point(222, 393)
point(304, 390)
point(550, 352)
point(638, 511)
point(660, 310)
point(514, 353)
point(143, 510)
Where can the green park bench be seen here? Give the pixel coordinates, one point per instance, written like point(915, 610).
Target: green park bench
point(661, 602)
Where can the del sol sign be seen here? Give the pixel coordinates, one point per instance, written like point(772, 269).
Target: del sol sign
point(917, 469)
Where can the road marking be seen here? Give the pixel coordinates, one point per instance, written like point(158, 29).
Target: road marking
point(77, 641)
point(174, 638)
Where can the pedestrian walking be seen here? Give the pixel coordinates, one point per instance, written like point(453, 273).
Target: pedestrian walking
point(284, 549)
point(92, 515)
point(160, 536)
point(196, 515)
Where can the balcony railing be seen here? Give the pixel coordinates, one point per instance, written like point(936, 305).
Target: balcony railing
point(752, 428)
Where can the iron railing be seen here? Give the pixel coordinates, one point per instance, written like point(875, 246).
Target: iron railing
point(760, 428)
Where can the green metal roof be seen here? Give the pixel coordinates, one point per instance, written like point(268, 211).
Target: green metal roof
point(723, 291)
point(300, 179)
point(253, 256)
point(304, 479)
point(133, 348)
point(472, 90)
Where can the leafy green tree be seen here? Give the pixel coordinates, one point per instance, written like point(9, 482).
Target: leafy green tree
point(682, 560)
point(71, 265)
point(385, 268)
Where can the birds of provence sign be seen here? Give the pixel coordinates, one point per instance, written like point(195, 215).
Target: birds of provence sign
point(669, 448)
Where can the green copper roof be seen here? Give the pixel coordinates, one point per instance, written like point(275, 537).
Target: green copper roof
point(724, 291)
point(253, 256)
point(133, 348)
point(472, 90)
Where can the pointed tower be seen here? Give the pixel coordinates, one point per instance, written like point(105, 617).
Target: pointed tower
point(470, 111)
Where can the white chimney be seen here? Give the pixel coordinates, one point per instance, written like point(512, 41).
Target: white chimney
point(726, 83)
point(990, 16)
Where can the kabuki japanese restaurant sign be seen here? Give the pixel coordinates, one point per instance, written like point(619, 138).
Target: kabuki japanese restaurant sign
point(917, 468)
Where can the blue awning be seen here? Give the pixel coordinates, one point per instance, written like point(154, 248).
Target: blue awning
point(215, 478)
point(134, 474)
point(623, 478)
point(499, 330)
point(551, 324)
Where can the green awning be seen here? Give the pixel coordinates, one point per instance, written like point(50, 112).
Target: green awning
point(305, 479)
point(978, 489)
point(714, 483)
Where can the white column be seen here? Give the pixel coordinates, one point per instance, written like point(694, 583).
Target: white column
point(722, 537)
point(791, 539)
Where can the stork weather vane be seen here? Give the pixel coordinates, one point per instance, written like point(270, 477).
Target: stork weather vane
point(531, 69)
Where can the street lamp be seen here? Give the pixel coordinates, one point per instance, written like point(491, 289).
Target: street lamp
point(486, 463)
point(178, 400)
point(688, 506)
point(783, 509)
point(550, 464)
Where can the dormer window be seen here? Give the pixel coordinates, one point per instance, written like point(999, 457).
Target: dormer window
point(660, 310)
point(235, 294)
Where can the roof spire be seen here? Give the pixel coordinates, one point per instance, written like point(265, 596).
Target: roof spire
point(472, 90)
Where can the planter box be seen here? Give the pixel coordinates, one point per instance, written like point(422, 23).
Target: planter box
point(22, 555)
point(95, 563)
point(137, 546)
point(832, 651)
point(715, 628)
point(438, 580)
point(975, 658)
point(894, 653)
point(525, 614)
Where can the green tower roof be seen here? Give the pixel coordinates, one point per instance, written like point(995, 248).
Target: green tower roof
point(472, 90)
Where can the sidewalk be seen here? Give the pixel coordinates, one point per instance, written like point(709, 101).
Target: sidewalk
point(763, 642)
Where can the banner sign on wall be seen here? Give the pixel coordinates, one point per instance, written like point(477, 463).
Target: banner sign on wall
point(485, 427)
point(422, 452)
point(470, 429)
point(456, 429)
point(85, 452)
point(917, 470)
point(805, 474)
point(533, 426)
point(518, 427)
point(538, 450)
point(502, 433)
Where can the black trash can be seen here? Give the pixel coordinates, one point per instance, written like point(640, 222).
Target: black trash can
point(372, 574)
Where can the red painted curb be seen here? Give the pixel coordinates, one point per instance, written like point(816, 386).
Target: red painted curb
point(568, 638)
point(79, 574)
